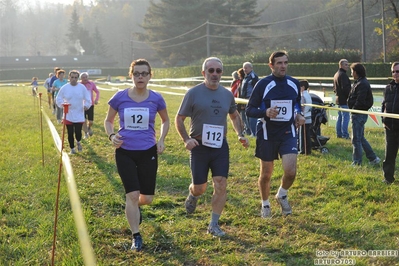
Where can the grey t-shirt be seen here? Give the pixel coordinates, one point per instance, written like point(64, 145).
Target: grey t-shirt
point(206, 106)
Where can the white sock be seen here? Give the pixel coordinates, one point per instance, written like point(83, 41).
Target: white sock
point(282, 192)
point(265, 203)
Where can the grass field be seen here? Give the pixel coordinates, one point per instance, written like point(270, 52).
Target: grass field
point(335, 207)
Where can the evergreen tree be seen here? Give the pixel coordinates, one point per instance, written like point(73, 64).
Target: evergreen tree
point(100, 47)
point(78, 37)
point(234, 40)
point(179, 30)
point(74, 27)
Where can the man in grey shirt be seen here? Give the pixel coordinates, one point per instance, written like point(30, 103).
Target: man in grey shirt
point(208, 105)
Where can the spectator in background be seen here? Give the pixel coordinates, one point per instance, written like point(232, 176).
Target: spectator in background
point(247, 86)
point(360, 98)
point(342, 87)
point(89, 114)
point(305, 144)
point(235, 84)
point(46, 84)
point(78, 98)
point(240, 106)
point(390, 105)
point(34, 85)
point(57, 84)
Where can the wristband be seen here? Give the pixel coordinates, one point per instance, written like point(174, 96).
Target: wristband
point(110, 135)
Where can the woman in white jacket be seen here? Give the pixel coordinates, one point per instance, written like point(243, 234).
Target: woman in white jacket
point(76, 95)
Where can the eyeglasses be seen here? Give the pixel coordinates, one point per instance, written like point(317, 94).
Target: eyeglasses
point(144, 74)
point(218, 70)
point(395, 71)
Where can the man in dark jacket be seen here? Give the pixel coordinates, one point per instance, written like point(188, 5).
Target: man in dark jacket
point(342, 87)
point(247, 87)
point(390, 105)
point(360, 98)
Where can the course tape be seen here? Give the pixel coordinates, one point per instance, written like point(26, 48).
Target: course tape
point(354, 111)
point(245, 101)
point(84, 239)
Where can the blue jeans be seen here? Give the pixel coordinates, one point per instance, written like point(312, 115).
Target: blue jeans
point(342, 123)
point(359, 142)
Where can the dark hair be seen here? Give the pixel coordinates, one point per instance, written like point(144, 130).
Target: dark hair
point(304, 83)
point(74, 72)
point(395, 64)
point(359, 69)
point(241, 73)
point(277, 54)
point(139, 62)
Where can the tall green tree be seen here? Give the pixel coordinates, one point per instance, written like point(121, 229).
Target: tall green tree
point(79, 38)
point(182, 30)
point(100, 47)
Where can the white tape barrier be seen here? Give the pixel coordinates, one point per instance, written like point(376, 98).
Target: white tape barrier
point(245, 101)
point(354, 111)
point(84, 239)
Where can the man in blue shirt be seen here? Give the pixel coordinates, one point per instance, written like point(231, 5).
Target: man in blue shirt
point(276, 101)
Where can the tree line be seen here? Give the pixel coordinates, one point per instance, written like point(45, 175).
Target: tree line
point(180, 32)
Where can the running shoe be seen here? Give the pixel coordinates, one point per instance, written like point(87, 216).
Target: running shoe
point(137, 243)
point(266, 212)
point(215, 231)
point(285, 206)
point(191, 204)
point(377, 160)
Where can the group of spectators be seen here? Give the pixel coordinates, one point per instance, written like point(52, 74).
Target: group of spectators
point(244, 80)
point(359, 96)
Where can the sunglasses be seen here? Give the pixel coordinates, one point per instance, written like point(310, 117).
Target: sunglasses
point(395, 71)
point(143, 74)
point(218, 70)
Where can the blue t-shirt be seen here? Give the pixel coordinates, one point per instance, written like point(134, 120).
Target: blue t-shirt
point(58, 84)
point(272, 91)
point(137, 120)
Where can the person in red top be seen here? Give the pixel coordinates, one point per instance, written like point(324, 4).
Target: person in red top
point(235, 84)
point(89, 114)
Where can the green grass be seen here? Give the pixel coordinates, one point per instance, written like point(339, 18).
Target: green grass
point(335, 207)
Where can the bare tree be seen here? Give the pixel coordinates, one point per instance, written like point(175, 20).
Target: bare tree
point(331, 28)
